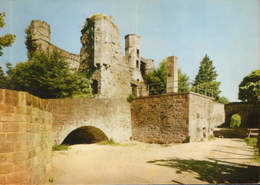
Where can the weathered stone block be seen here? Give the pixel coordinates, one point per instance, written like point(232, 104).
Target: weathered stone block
point(6, 168)
point(11, 97)
point(17, 178)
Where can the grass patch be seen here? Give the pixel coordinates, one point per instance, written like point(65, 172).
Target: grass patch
point(61, 147)
point(109, 142)
point(212, 137)
point(252, 141)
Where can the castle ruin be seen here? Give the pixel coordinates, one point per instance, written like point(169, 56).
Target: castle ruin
point(112, 74)
point(29, 126)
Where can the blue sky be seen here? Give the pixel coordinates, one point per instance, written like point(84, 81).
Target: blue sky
point(227, 30)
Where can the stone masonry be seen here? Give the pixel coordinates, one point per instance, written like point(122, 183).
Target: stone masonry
point(112, 116)
point(25, 137)
point(174, 118)
point(172, 74)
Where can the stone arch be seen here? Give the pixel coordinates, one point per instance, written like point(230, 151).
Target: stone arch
point(85, 135)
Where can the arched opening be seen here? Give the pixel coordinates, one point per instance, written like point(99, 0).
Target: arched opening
point(85, 135)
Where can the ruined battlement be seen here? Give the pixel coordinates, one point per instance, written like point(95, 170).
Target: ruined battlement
point(40, 30)
point(41, 36)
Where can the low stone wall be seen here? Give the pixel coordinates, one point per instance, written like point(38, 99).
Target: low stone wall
point(160, 119)
point(25, 138)
point(112, 116)
point(175, 118)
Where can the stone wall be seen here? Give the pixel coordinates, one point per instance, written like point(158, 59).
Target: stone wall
point(112, 116)
point(204, 115)
point(25, 137)
point(173, 118)
point(160, 118)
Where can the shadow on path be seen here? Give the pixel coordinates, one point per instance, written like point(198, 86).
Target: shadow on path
point(212, 170)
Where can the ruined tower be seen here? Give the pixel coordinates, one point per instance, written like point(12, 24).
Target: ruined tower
point(137, 65)
point(39, 38)
point(133, 56)
point(172, 74)
point(101, 58)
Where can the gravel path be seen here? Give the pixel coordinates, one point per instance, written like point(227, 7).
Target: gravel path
point(215, 161)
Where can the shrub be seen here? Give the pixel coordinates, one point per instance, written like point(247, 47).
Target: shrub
point(186, 139)
point(130, 98)
point(235, 121)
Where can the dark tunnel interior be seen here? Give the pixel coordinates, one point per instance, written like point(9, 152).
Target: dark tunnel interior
point(85, 135)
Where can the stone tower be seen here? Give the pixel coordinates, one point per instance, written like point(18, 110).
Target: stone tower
point(40, 35)
point(40, 30)
point(172, 74)
point(101, 58)
point(133, 56)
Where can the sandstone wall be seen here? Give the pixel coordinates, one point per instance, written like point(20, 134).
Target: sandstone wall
point(172, 118)
point(204, 115)
point(160, 119)
point(25, 138)
point(112, 116)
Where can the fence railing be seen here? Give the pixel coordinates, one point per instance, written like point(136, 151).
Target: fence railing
point(161, 88)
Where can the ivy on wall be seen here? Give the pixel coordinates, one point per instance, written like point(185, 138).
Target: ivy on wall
point(87, 39)
point(29, 42)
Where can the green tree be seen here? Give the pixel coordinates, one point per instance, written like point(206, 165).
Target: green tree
point(249, 88)
point(3, 79)
point(48, 76)
point(157, 79)
point(205, 81)
point(222, 100)
point(6, 40)
point(235, 121)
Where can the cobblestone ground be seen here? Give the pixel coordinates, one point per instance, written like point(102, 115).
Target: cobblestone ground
point(216, 161)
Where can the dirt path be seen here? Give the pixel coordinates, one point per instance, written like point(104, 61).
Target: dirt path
point(216, 161)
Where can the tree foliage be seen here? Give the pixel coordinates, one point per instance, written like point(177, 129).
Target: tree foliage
point(29, 43)
point(235, 121)
point(205, 81)
point(5, 40)
point(249, 88)
point(47, 76)
point(222, 100)
point(157, 79)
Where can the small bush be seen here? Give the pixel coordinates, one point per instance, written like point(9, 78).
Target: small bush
point(235, 121)
point(61, 147)
point(130, 98)
point(108, 142)
point(51, 179)
point(186, 139)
